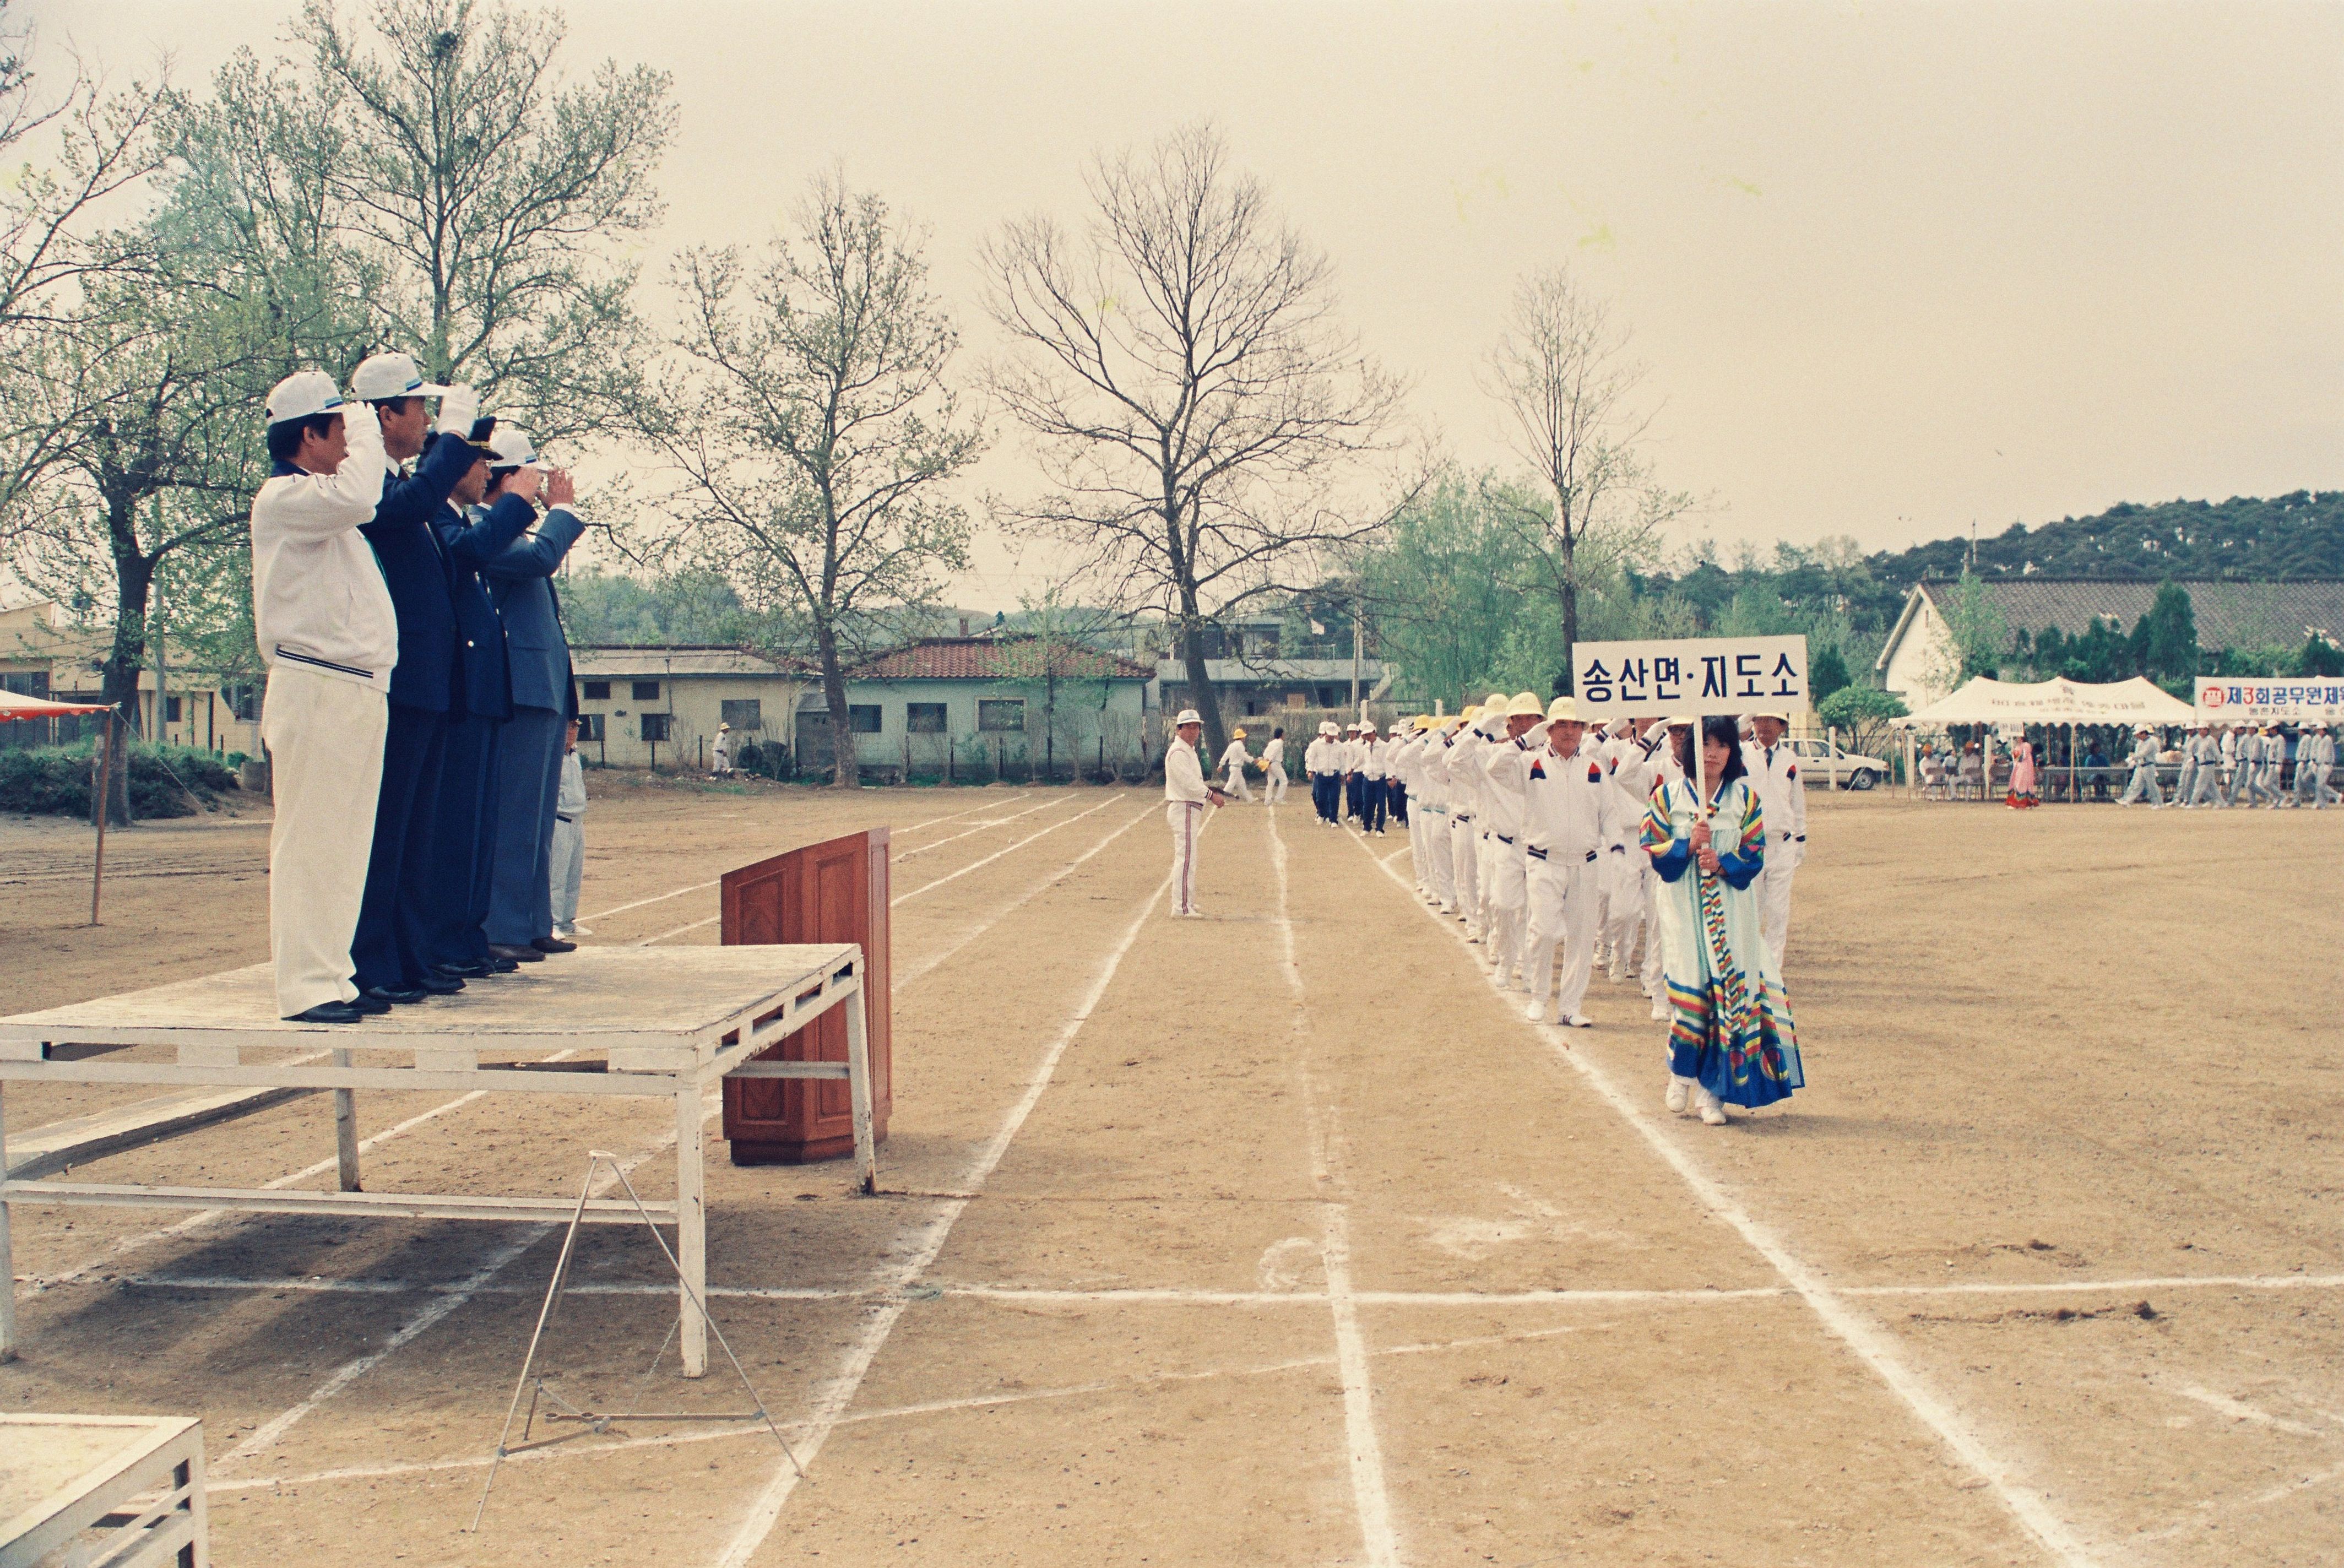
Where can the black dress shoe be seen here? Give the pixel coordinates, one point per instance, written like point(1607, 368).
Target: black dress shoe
point(399, 994)
point(516, 955)
point(501, 966)
point(552, 945)
point(468, 970)
point(439, 985)
point(325, 1013)
point(369, 1003)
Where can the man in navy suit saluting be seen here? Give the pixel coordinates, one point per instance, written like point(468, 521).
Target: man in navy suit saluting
point(529, 750)
point(388, 951)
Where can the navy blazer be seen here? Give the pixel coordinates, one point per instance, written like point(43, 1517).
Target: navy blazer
point(484, 686)
point(416, 573)
point(521, 584)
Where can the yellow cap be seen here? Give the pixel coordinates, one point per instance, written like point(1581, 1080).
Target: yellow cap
point(1524, 704)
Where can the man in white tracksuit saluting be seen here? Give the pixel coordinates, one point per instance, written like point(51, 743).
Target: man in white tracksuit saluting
point(1186, 794)
point(1569, 805)
point(1775, 773)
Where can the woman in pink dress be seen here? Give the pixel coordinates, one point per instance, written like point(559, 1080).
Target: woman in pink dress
point(2022, 774)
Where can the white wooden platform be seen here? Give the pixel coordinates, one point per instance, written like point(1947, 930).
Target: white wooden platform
point(67, 1485)
point(630, 1021)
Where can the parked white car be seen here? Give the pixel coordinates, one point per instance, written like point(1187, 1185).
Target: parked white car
point(1826, 763)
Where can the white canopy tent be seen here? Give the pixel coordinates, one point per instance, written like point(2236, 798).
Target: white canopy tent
point(1985, 701)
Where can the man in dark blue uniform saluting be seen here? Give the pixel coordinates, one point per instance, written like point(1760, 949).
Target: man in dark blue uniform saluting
point(389, 953)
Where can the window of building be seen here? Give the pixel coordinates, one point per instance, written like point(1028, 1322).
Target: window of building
point(590, 726)
point(1329, 697)
point(646, 691)
point(243, 700)
point(27, 683)
point(655, 726)
point(1298, 698)
point(742, 712)
point(170, 716)
point(1000, 713)
point(923, 718)
point(861, 720)
point(598, 690)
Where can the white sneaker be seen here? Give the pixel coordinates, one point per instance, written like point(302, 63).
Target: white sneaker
point(1579, 1021)
point(1675, 1098)
point(1472, 933)
point(1713, 1114)
point(1660, 1011)
point(1535, 1012)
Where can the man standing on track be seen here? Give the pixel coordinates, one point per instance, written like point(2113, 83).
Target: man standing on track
point(1186, 793)
point(1773, 772)
point(1569, 807)
point(1505, 775)
point(1464, 765)
point(1374, 753)
point(1273, 768)
point(1237, 759)
point(2144, 769)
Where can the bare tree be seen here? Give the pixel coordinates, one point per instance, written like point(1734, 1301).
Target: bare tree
point(1561, 369)
point(808, 433)
point(1194, 400)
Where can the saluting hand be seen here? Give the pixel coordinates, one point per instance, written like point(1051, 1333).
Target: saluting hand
point(559, 489)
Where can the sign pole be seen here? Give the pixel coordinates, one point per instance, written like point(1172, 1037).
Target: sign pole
point(105, 810)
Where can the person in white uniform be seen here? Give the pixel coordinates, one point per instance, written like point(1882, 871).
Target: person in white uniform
point(1464, 763)
point(1237, 759)
point(1773, 770)
point(1505, 772)
point(328, 637)
point(1186, 794)
point(1568, 807)
point(1318, 762)
point(1273, 768)
point(1648, 761)
point(2316, 759)
point(1432, 790)
point(2274, 762)
point(567, 858)
point(720, 755)
point(2144, 771)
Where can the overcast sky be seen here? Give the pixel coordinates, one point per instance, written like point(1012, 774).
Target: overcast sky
point(1894, 268)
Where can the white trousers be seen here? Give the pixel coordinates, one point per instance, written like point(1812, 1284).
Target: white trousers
point(1774, 897)
point(2144, 782)
point(1440, 878)
point(1187, 820)
point(1236, 785)
point(1564, 899)
point(1273, 788)
point(1624, 900)
point(567, 862)
point(1464, 868)
point(1507, 896)
point(325, 770)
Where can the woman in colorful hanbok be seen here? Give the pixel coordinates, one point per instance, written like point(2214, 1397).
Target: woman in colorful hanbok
point(1731, 1039)
point(2022, 774)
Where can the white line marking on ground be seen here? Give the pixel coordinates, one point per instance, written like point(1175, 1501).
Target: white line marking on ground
point(838, 1391)
point(979, 864)
point(935, 960)
point(980, 828)
point(1370, 1495)
point(1870, 1343)
point(702, 886)
point(1185, 1295)
point(679, 931)
point(2239, 1410)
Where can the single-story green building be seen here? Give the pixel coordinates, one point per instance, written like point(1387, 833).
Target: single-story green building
point(975, 709)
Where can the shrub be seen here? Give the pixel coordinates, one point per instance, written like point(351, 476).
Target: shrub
point(57, 781)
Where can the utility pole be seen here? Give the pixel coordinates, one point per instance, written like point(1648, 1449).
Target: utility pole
point(1356, 621)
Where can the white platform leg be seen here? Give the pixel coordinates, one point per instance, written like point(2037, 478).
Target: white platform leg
point(7, 1256)
point(858, 1091)
point(346, 1129)
point(690, 1228)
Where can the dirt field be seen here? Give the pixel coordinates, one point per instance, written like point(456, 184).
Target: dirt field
point(1280, 1238)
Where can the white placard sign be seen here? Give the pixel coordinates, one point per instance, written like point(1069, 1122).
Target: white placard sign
point(2268, 700)
point(1689, 675)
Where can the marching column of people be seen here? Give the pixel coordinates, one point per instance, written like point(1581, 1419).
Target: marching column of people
point(395, 677)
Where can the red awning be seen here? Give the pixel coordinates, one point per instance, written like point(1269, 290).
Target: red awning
point(24, 705)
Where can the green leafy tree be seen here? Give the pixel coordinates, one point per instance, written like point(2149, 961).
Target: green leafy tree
point(807, 433)
point(2166, 637)
point(1440, 586)
point(2320, 659)
point(1827, 673)
point(1862, 713)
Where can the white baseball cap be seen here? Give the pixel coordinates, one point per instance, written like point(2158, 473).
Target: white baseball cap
point(381, 376)
point(1188, 716)
point(302, 394)
point(508, 447)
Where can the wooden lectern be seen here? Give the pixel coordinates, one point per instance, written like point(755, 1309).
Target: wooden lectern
point(831, 892)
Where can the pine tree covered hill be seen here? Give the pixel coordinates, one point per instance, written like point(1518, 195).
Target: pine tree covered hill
point(2289, 536)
